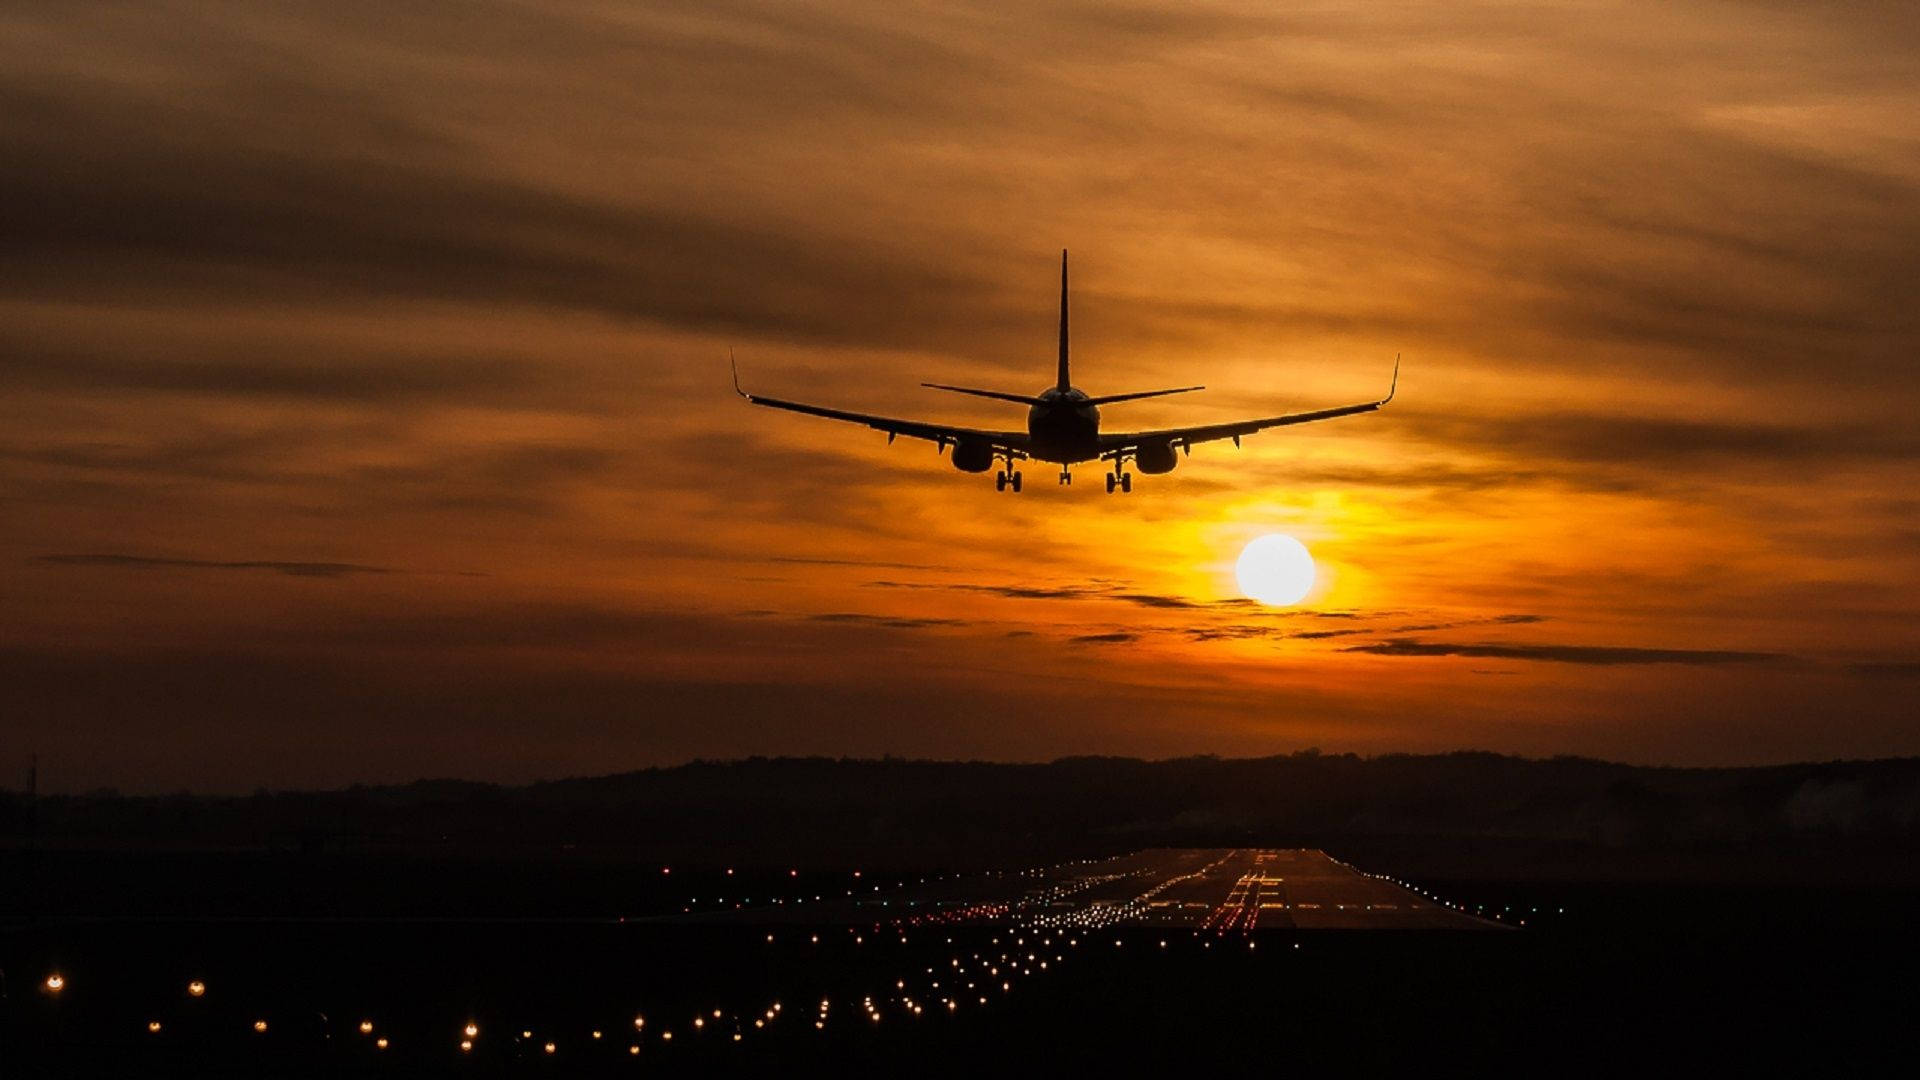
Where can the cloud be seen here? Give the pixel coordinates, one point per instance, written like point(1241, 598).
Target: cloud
point(364, 375)
point(1887, 669)
point(425, 219)
point(865, 563)
point(146, 562)
point(896, 622)
point(1156, 601)
point(1597, 439)
point(1496, 620)
point(1603, 655)
point(1112, 591)
point(1114, 638)
point(1236, 632)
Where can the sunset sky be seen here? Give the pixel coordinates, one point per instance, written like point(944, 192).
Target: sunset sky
point(364, 407)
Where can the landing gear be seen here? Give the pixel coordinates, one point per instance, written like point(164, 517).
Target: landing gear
point(1008, 477)
point(1119, 477)
point(1066, 477)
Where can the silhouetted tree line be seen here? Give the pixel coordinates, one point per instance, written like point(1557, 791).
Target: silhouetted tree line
point(819, 811)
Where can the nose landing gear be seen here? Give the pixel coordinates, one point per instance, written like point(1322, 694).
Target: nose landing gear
point(1066, 477)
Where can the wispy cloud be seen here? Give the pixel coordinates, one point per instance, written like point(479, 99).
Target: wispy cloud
point(897, 622)
point(148, 562)
point(1603, 655)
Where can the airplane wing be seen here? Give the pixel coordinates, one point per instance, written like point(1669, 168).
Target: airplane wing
point(1188, 436)
point(944, 435)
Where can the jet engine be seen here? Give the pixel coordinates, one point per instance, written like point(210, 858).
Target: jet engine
point(1156, 457)
point(973, 455)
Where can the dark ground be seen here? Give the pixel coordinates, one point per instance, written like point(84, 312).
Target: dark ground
point(1712, 920)
point(1650, 976)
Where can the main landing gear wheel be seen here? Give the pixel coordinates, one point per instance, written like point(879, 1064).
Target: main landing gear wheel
point(1123, 481)
point(1016, 483)
point(1003, 480)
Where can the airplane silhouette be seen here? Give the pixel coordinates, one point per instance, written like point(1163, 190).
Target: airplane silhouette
point(1063, 426)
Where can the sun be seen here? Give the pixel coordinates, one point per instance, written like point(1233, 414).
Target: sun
point(1275, 569)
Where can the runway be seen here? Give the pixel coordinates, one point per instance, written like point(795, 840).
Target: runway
point(1219, 889)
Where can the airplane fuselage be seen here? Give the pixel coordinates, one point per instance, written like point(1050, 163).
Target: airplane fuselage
point(1064, 428)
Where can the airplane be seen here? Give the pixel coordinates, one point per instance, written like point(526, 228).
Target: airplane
point(1063, 426)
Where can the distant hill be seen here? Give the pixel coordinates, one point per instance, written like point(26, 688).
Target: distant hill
point(1541, 816)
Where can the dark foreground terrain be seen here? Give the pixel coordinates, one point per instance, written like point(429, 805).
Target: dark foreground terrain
point(1026, 971)
point(1463, 914)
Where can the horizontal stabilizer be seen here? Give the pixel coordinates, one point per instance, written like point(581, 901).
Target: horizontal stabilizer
point(1110, 398)
point(1020, 399)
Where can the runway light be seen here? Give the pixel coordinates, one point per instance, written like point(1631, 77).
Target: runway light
point(550, 1048)
point(260, 1026)
point(153, 1026)
point(381, 1042)
point(366, 1027)
point(466, 1046)
point(596, 1034)
point(634, 1049)
point(471, 1030)
point(639, 1022)
point(699, 1022)
point(56, 983)
point(196, 988)
point(666, 1036)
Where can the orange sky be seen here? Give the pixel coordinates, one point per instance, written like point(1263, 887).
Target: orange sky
point(364, 410)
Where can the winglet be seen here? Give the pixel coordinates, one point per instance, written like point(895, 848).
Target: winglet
point(735, 364)
point(1395, 385)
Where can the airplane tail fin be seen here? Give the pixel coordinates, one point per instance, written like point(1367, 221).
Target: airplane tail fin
point(1065, 383)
